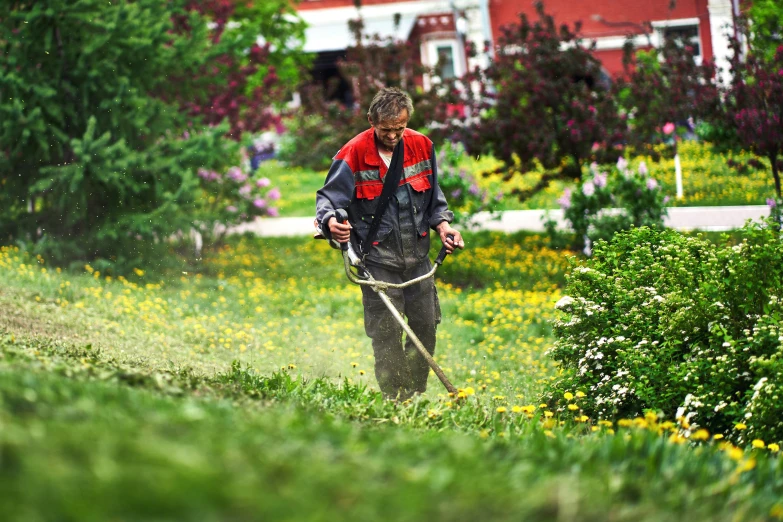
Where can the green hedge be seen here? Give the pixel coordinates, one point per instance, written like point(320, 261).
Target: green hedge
point(657, 320)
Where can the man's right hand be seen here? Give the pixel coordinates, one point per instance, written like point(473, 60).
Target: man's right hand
point(341, 232)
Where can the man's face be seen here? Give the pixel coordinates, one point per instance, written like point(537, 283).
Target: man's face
point(389, 132)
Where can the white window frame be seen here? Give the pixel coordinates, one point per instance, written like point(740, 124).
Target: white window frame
point(429, 50)
point(660, 28)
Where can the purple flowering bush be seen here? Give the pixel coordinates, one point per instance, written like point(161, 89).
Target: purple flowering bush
point(460, 187)
point(231, 198)
point(612, 200)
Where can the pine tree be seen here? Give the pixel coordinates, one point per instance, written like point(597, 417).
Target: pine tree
point(98, 154)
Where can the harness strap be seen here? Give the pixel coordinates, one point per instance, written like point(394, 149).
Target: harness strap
point(390, 183)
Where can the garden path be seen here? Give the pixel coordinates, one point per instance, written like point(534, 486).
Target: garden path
point(681, 218)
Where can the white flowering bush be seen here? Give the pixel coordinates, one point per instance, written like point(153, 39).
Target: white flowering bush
point(611, 200)
point(657, 320)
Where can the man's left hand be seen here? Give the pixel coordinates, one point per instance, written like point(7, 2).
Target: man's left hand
point(444, 230)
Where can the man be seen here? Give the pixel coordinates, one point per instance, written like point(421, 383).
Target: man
point(399, 250)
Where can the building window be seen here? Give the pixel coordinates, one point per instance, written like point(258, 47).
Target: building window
point(444, 55)
point(686, 34)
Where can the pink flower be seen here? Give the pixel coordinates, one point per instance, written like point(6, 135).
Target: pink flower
point(666, 199)
point(622, 163)
point(565, 199)
point(600, 179)
point(263, 182)
point(771, 203)
point(652, 184)
point(643, 168)
point(245, 190)
point(668, 128)
point(259, 203)
point(273, 212)
point(236, 174)
point(231, 208)
point(274, 194)
point(588, 189)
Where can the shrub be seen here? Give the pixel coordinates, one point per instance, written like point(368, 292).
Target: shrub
point(657, 320)
point(612, 201)
point(460, 187)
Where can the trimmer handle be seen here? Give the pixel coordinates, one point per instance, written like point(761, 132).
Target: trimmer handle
point(443, 253)
point(341, 216)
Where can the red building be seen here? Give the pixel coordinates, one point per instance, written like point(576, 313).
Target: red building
point(442, 26)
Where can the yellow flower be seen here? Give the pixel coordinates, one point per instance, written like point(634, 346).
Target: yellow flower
point(580, 394)
point(573, 407)
point(717, 436)
point(548, 414)
point(773, 447)
point(549, 434)
point(138, 272)
point(701, 434)
point(583, 418)
point(625, 423)
point(516, 409)
point(568, 396)
point(740, 426)
point(470, 391)
point(758, 444)
point(501, 409)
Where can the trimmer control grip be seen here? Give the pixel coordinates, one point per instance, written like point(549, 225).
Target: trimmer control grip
point(443, 253)
point(341, 216)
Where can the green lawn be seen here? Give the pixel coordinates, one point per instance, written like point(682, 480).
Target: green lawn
point(708, 180)
point(119, 401)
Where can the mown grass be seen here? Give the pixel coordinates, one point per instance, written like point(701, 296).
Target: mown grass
point(119, 400)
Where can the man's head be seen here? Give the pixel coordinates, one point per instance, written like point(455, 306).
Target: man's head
point(389, 113)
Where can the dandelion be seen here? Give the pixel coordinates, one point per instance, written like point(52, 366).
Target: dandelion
point(701, 434)
point(773, 447)
point(501, 409)
point(580, 394)
point(548, 414)
point(568, 396)
point(138, 272)
point(717, 436)
point(573, 407)
point(758, 444)
point(740, 426)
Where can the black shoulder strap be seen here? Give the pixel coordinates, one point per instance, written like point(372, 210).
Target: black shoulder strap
point(390, 183)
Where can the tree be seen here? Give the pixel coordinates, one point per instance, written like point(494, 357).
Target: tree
point(766, 30)
point(252, 64)
point(662, 86)
point(544, 98)
point(754, 105)
point(98, 156)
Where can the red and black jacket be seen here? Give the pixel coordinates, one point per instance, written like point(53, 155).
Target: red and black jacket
point(355, 181)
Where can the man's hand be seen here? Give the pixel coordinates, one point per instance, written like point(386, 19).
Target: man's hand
point(444, 230)
point(341, 232)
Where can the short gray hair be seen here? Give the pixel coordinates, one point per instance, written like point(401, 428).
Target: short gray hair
point(388, 104)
